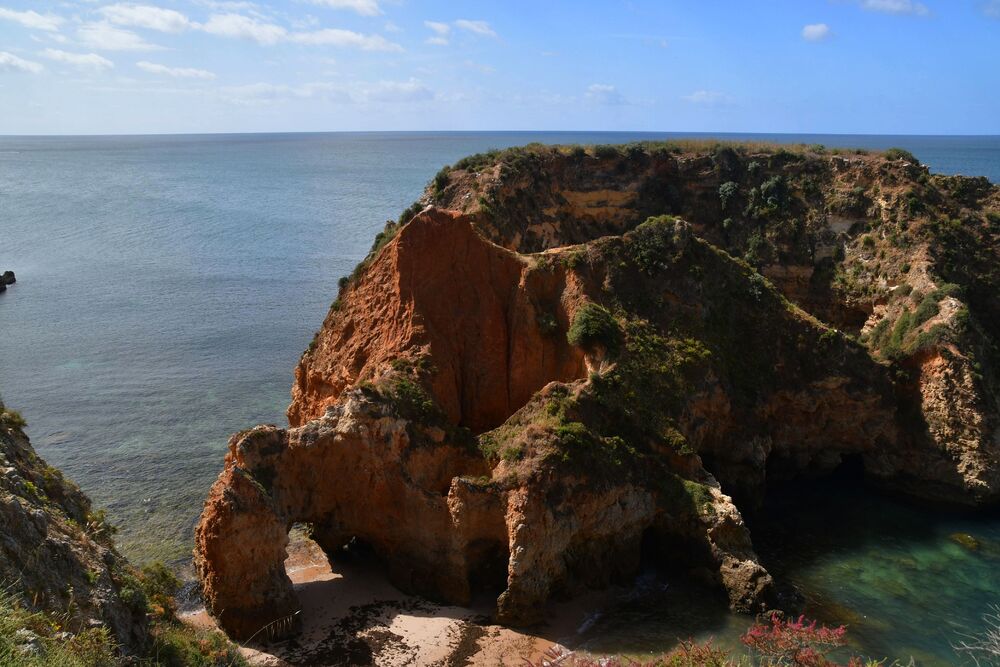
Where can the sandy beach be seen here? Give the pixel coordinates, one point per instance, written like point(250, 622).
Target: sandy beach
point(354, 616)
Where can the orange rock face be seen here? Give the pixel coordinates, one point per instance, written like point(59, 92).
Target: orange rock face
point(359, 472)
point(475, 309)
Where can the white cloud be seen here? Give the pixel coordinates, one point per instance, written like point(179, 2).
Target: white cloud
point(397, 91)
point(226, 5)
point(176, 72)
point(90, 61)
point(363, 7)
point(354, 93)
point(268, 34)
point(896, 7)
point(708, 98)
point(345, 38)
point(106, 37)
point(11, 63)
point(32, 19)
point(436, 41)
point(438, 27)
point(147, 16)
point(392, 27)
point(603, 93)
point(815, 32)
point(477, 27)
point(238, 25)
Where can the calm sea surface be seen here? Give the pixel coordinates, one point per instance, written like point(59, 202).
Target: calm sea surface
point(167, 286)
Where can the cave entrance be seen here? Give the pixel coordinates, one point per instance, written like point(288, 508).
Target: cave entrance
point(306, 560)
point(488, 561)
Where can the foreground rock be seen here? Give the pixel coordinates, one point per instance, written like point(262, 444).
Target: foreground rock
point(488, 407)
point(57, 556)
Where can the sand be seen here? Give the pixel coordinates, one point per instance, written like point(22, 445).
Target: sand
point(354, 616)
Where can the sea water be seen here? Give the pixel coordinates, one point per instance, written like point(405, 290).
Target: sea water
point(168, 284)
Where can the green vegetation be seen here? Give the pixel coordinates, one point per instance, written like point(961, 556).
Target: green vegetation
point(927, 309)
point(413, 402)
point(31, 639)
point(901, 154)
point(12, 419)
point(594, 326)
point(35, 639)
point(727, 193)
point(650, 244)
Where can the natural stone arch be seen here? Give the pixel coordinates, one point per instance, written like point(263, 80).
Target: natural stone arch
point(360, 471)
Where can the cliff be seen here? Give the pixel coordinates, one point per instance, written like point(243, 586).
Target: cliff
point(531, 385)
point(56, 555)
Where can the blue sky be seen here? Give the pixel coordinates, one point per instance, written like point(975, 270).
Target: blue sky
point(837, 66)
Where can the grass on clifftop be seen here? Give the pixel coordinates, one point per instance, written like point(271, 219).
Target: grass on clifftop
point(34, 639)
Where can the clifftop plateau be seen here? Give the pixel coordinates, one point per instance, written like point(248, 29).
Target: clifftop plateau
point(563, 362)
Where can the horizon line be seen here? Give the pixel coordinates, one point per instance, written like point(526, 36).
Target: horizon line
point(458, 132)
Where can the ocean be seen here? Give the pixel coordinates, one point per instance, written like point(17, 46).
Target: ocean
point(168, 284)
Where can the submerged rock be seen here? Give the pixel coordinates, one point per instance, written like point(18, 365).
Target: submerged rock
point(534, 388)
point(965, 540)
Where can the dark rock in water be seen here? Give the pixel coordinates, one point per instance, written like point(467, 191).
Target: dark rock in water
point(965, 540)
point(8, 278)
point(3, 286)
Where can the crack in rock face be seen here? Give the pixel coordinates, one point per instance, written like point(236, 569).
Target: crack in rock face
point(529, 390)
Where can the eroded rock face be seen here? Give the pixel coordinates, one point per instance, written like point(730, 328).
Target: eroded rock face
point(530, 424)
point(475, 308)
point(359, 472)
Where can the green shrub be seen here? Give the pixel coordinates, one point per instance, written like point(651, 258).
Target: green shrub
point(413, 402)
point(927, 309)
point(901, 154)
point(947, 289)
point(12, 419)
point(894, 345)
point(409, 212)
point(176, 645)
point(727, 193)
point(160, 585)
point(441, 180)
point(774, 191)
point(606, 152)
point(650, 244)
point(594, 326)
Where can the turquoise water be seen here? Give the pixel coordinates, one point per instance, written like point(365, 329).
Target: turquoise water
point(167, 285)
point(907, 582)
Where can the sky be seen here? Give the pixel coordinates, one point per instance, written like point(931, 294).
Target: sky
point(823, 66)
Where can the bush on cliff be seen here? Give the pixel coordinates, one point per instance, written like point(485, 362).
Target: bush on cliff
point(901, 154)
point(12, 419)
point(594, 326)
